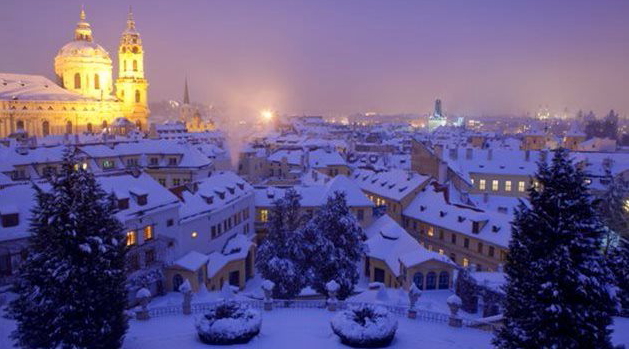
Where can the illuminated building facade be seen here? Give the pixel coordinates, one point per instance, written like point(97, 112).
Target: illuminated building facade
point(83, 99)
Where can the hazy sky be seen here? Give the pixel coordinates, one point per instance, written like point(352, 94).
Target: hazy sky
point(342, 56)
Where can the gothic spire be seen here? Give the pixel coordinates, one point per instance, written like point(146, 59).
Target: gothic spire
point(186, 96)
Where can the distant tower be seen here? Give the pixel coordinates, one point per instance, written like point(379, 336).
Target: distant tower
point(437, 118)
point(131, 86)
point(438, 111)
point(186, 95)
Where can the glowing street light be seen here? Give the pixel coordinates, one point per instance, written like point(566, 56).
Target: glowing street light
point(266, 115)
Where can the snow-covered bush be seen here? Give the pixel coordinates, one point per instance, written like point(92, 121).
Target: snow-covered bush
point(365, 326)
point(229, 323)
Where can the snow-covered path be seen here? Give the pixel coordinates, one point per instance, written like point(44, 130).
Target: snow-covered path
point(303, 329)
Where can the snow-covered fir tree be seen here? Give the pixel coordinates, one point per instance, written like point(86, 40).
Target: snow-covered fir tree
point(278, 256)
point(338, 245)
point(613, 209)
point(618, 261)
point(71, 286)
point(559, 293)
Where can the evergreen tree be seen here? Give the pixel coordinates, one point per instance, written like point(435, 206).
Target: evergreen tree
point(278, 255)
point(71, 286)
point(559, 292)
point(618, 261)
point(336, 240)
point(612, 207)
point(466, 288)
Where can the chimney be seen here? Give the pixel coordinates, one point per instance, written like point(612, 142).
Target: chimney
point(469, 153)
point(438, 150)
point(490, 154)
point(527, 155)
point(443, 172)
point(454, 154)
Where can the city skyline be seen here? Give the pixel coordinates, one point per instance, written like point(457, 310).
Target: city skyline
point(326, 58)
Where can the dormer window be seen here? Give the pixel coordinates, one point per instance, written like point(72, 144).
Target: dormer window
point(221, 194)
point(475, 227)
point(461, 219)
point(108, 164)
point(442, 213)
point(172, 161)
point(495, 228)
point(232, 190)
point(10, 220)
point(422, 208)
point(123, 204)
point(241, 186)
point(154, 161)
point(209, 199)
point(142, 199)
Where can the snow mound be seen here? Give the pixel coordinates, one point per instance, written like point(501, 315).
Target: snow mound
point(229, 323)
point(365, 326)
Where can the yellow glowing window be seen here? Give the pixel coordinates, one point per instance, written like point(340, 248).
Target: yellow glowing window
point(194, 234)
point(494, 185)
point(148, 232)
point(264, 215)
point(431, 231)
point(466, 262)
point(507, 185)
point(441, 251)
point(481, 184)
point(131, 238)
point(472, 181)
point(521, 186)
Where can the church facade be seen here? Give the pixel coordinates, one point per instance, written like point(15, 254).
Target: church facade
point(85, 98)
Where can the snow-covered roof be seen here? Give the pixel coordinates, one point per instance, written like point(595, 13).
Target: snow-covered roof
point(236, 248)
point(34, 88)
point(432, 206)
point(322, 158)
point(389, 242)
point(128, 186)
point(293, 157)
point(491, 279)
point(18, 199)
point(317, 194)
point(214, 193)
point(394, 184)
point(192, 260)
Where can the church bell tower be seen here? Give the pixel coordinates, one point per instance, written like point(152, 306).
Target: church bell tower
point(131, 86)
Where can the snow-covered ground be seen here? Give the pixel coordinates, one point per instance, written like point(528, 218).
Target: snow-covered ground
point(303, 328)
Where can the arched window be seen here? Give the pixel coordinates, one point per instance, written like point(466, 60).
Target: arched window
point(138, 124)
point(19, 125)
point(444, 280)
point(45, 128)
point(135, 65)
point(122, 95)
point(137, 96)
point(104, 124)
point(69, 127)
point(177, 281)
point(77, 80)
point(135, 49)
point(124, 65)
point(96, 81)
point(124, 49)
point(89, 127)
point(431, 280)
point(418, 280)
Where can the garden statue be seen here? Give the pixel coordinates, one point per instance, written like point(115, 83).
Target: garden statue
point(267, 288)
point(144, 296)
point(454, 302)
point(413, 296)
point(186, 289)
point(332, 287)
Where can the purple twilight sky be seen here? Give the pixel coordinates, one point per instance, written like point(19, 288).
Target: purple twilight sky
point(343, 56)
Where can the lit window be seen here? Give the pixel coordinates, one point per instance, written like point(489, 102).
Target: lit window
point(481, 184)
point(507, 185)
point(521, 186)
point(264, 215)
point(494, 185)
point(194, 234)
point(472, 181)
point(148, 232)
point(431, 231)
point(441, 251)
point(131, 238)
point(466, 262)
